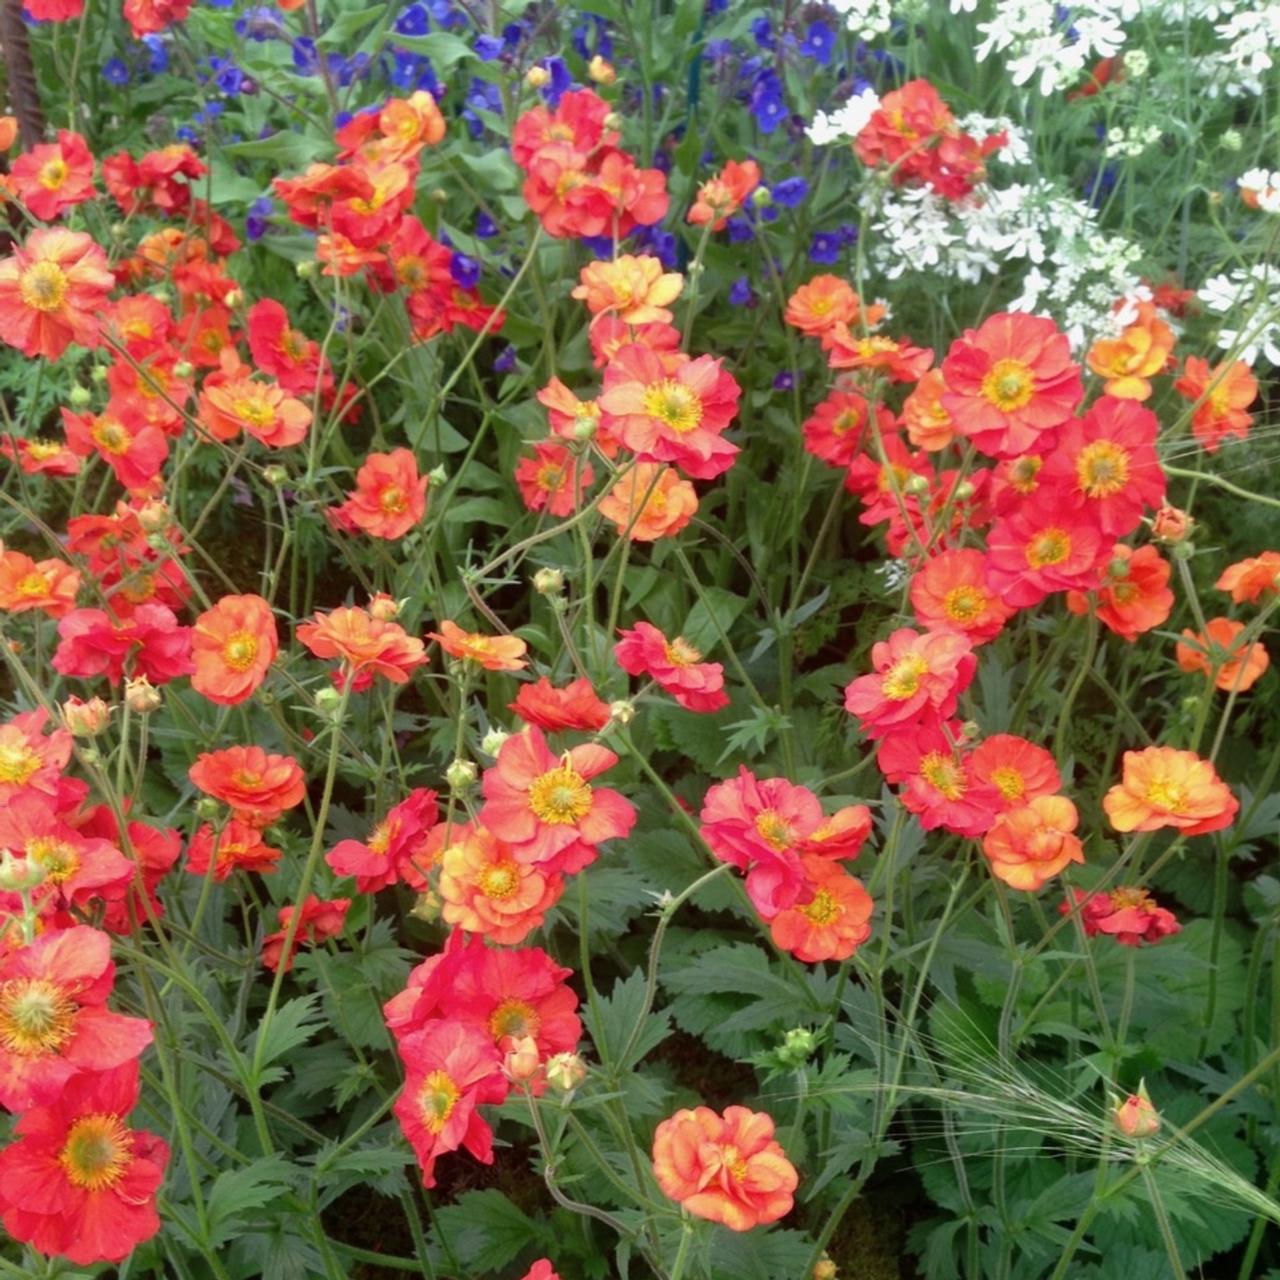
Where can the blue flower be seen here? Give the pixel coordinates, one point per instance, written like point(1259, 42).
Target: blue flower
point(767, 103)
point(784, 381)
point(221, 4)
point(485, 228)
point(115, 72)
point(506, 360)
point(789, 192)
point(465, 271)
point(662, 244)
point(413, 21)
point(489, 47)
point(848, 233)
point(762, 32)
point(185, 133)
point(715, 50)
point(561, 81)
point(305, 58)
point(740, 230)
point(825, 248)
point(598, 246)
point(159, 62)
point(819, 42)
point(716, 6)
point(258, 218)
point(342, 119)
point(260, 24)
point(741, 294)
point(228, 77)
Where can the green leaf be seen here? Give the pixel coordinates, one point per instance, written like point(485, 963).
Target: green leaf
point(713, 614)
point(345, 25)
point(295, 1022)
point(619, 1013)
point(442, 47)
point(486, 1231)
point(236, 1190)
point(288, 150)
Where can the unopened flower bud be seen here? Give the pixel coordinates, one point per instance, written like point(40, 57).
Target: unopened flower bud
point(161, 295)
point(1136, 1117)
point(1231, 139)
point(384, 608)
point(537, 77)
point(824, 1269)
point(305, 269)
point(275, 476)
point(117, 230)
point(521, 1064)
point(91, 756)
point(85, 719)
point(969, 730)
point(207, 808)
point(1183, 550)
point(98, 373)
point(601, 71)
point(762, 197)
point(154, 516)
point(80, 397)
point(964, 491)
point(797, 1046)
point(461, 774)
point(492, 741)
point(585, 427)
point(548, 582)
point(141, 696)
point(439, 195)
point(565, 1071)
point(158, 541)
point(613, 120)
point(19, 874)
point(183, 369)
point(622, 711)
point(1118, 567)
point(919, 485)
point(234, 298)
point(426, 908)
point(328, 700)
point(437, 475)
point(1172, 525)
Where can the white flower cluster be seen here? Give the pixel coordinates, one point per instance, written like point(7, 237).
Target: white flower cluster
point(846, 122)
point(1264, 186)
point(1252, 299)
point(865, 18)
point(1016, 149)
point(1040, 39)
point(1131, 142)
point(1071, 270)
point(1250, 35)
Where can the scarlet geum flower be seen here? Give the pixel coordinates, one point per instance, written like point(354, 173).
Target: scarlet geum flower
point(52, 292)
point(232, 645)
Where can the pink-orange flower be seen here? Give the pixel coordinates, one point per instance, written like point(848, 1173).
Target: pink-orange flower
point(950, 592)
point(320, 919)
point(676, 666)
point(1253, 579)
point(839, 430)
point(1129, 915)
point(397, 849)
point(493, 653)
point(635, 289)
point(1031, 844)
point(1164, 787)
point(545, 807)
point(232, 645)
point(31, 761)
point(916, 675)
point(1043, 548)
point(54, 176)
point(937, 780)
point(1221, 654)
point(1019, 770)
point(237, 847)
point(927, 420)
point(1223, 394)
point(554, 479)
point(257, 786)
point(1010, 382)
point(649, 502)
point(830, 920)
point(133, 449)
point(47, 585)
point(671, 409)
point(150, 643)
point(723, 195)
point(896, 358)
point(576, 706)
point(233, 401)
point(368, 645)
point(1134, 595)
point(389, 499)
point(485, 890)
point(726, 1168)
point(52, 292)
point(1129, 360)
point(825, 301)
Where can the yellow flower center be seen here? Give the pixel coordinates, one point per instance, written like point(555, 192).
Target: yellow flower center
point(514, 1018)
point(1049, 546)
point(1102, 469)
point(680, 653)
point(773, 830)
point(1022, 475)
point(53, 173)
point(42, 449)
point(549, 478)
point(383, 834)
point(97, 1152)
point(58, 858)
point(1167, 794)
point(239, 650)
point(560, 796)
point(732, 1160)
point(843, 423)
point(17, 764)
point(823, 910)
point(902, 680)
point(254, 408)
point(1123, 899)
point(1009, 782)
point(963, 604)
point(500, 880)
point(1008, 385)
point(43, 286)
point(412, 273)
point(33, 584)
point(110, 436)
point(36, 1017)
point(674, 404)
point(392, 500)
point(943, 774)
point(437, 1099)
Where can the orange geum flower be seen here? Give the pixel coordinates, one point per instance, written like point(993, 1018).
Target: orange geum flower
point(1164, 787)
point(493, 653)
point(928, 423)
point(1222, 394)
point(8, 129)
point(949, 592)
point(1134, 596)
point(367, 644)
point(37, 456)
point(650, 502)
point(52, 292)
point(916, 674)
point(389, 498)
point(896, 357)
point(1019, 770)
point(257, 786)
point(409, 124)
point(485, 890)
point(1029, 845)
point(824, 301)
point(632, 287)
point(233, 401)
point(1129, 360)
point(725, 1168)
point(232, 645)
point(237, 847)
point(1251, 580)
point(1217, 652)
point(839, 428)
point(54, 176)
point(554, 479)
point(724, 194)
point(47, 585)
point(831, 922)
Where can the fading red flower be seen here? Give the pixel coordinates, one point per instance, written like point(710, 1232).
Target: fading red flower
point(1010, 383)
point(237, 847)
point(649, 502)
point(724, 194)
point(232, 401)
point(575, 706)
point(390, 498)
point(916, 675)
point(367, 644)
point(78, 1183)
point(256, 786)
point(396, 850)
point(1129, 915)
point(54, 1020)
point(321, 919)
point(149, 643)
point(676, 666)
